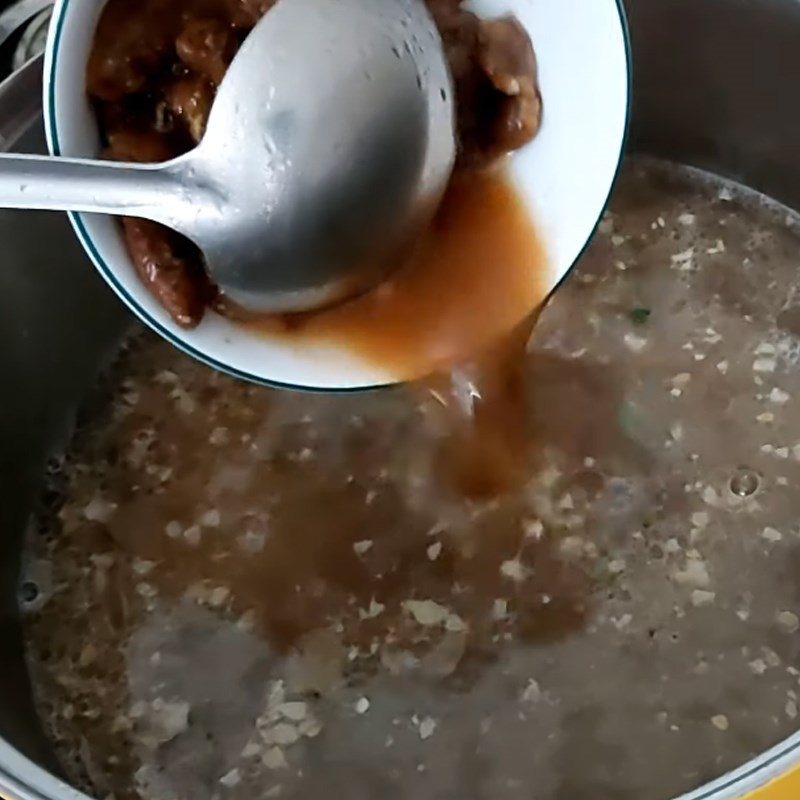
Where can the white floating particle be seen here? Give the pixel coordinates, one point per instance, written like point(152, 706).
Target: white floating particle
point(694, 574)
point(500, 608)
point(247, 621)
point(231, 778)
point(218, 596)
point(764, 365)
point(173, 529)
point(779, 396)
point(359, 548)
point(533, 528)
point(672, 546)
point(434, 550)
point(142, 567)
point(218, 436)
point(771, 534)
point(210, 519)
point(571, 546)
point(170, 717)
point(252, 541)
point(375, 609)
point(282, 734)
point(634, 343)
point(566, 503)
point(617, 240)
point(532, 692)
point(758, 666)
point(701, 597)
point(454, 623)
point(700, 519)
point(294, 710)
point(606, 226)
point(144, 589)
point(717, 248)
point(788, 620)
point(766, 416)
point(782, 452)
point(362, 705)
point(192, 535)
point(251, 749)
point(274, 758)
point(720, 722)
point(99, 510)
point(687, 219)
point(426, 612)
point(310, 727)
point(722, 366)
point(514, 569)
point(791, 709)
point(166, 377)
point(622, 622)
point(683, 261)
point(616, 566)
point(427, 727)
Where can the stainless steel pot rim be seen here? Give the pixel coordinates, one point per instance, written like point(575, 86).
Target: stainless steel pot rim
point(22, 779)
point(51, 131)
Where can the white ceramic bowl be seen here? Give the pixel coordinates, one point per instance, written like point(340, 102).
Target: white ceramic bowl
point(565, 175)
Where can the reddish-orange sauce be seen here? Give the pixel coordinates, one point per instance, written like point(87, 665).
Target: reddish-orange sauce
point(474, 277)
point(484, 442)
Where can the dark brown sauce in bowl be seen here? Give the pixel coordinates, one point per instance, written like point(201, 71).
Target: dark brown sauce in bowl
point(154, 69)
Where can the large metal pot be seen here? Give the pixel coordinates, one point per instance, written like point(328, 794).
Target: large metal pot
point(713, 87)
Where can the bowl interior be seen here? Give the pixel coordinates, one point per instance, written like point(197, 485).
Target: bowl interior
point(564, 174)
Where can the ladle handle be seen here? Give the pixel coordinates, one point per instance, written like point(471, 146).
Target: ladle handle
point(51, 183)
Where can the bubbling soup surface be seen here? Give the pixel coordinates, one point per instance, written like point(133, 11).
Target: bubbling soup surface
point(518, 581)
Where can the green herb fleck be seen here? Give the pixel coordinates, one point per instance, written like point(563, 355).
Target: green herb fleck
point(640, 315)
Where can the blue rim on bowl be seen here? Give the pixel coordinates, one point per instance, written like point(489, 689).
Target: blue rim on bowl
point(53, 140)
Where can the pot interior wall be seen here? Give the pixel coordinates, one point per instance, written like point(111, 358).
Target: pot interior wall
point(57, 323)
point(714, 86)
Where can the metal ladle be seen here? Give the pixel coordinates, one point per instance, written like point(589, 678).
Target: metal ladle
point(328, 145)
